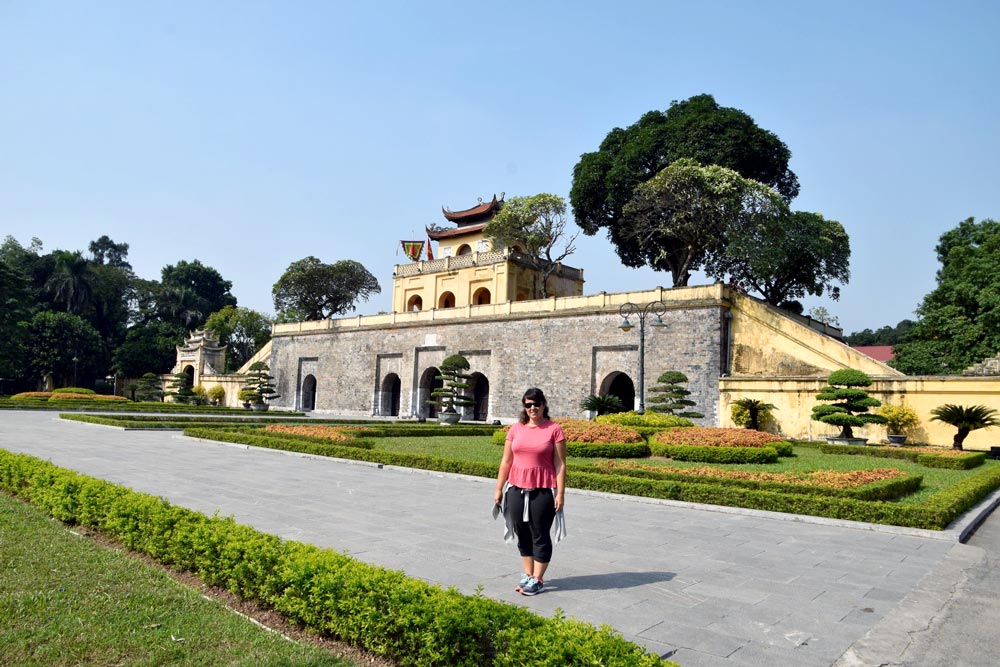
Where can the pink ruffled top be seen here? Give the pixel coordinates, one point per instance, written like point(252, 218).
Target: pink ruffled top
point(534, 454)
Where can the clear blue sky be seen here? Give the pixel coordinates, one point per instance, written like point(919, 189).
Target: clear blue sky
point(251, 134)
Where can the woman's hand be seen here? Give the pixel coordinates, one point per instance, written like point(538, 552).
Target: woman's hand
point(497, 496)
point(559, 502)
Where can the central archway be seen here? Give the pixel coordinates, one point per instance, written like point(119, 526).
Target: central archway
point(619, 384)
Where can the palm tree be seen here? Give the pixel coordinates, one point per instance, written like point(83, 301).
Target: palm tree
point(602, 405)
point(755, 408)
point(965, 419)
point(71, 280)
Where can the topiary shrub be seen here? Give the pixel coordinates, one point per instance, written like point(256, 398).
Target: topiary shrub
point(668, 396)
point(899, 418)
point(73, 390)
point(850, 406)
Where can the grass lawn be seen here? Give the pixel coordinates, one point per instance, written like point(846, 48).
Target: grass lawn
point(65, 600)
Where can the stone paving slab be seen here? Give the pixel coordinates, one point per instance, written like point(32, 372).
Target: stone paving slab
point(702, 585)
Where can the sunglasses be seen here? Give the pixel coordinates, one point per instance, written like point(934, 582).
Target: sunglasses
point(528, 405)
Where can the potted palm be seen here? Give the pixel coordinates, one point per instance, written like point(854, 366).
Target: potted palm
point(452, 393)
point(965, 419)
point(898, 418)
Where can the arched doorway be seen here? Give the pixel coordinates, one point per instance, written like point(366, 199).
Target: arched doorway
point(447, 300)
point(619, 384)
point(189, 371)
point(428, 383)
point(389, 402)
point(308, 393)
point(414, 304)
point(464, 249)
point(481, 296)
point(480, 386)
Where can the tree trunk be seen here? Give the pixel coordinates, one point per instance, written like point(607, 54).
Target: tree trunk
point(847, 431)
point(959, 439)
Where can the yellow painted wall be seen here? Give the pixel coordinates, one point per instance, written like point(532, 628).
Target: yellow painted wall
point(795, 398)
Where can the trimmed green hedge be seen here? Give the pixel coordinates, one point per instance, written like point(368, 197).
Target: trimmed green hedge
point(889, 489)
point(382, 611)
point(608, 450)
point(716, 454)
point(965, 461)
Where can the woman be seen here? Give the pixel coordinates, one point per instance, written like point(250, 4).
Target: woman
point(530, 487)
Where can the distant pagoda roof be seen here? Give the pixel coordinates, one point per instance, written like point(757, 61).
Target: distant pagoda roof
point(482, 212)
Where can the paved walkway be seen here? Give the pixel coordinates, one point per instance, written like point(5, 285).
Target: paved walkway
point(703, 586)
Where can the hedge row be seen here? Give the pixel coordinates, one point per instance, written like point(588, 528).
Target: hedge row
point(123, 406)
point(283, 442)
point(965, 461)
point(886, 489)
point(705, 454)
point(382, 611)
point(934, 513)
point(608, 450)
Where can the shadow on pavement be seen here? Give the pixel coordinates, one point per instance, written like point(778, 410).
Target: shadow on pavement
point(611, 580)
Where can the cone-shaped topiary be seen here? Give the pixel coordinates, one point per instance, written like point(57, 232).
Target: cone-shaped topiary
point(669, 397)
point(851, 406)
point(452, 393)
point(261, 382)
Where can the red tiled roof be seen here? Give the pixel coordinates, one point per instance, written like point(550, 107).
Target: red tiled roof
point(877, 352)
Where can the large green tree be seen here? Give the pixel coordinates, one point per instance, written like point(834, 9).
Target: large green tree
point(537, 226)
point(242, 330)
point(71, 282)
point(312, 290)
point(784, 256)
point(698, 128)
point(15, 307)
point(190, 291)
point(959, 321)
point(54, 340)
point(149, 348)
point(682, 215)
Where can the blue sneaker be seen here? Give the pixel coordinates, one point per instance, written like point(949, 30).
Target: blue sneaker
point(533, 587)
point(525, 578)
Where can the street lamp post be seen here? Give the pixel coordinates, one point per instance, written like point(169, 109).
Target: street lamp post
point(76, 361)
point(630, 309)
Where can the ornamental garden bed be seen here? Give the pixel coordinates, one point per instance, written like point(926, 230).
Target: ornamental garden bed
point(927, 497)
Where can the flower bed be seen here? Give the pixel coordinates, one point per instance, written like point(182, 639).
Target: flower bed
point(717, 437)
point(834, 479)
point(647, 419)
point(581, 430)
point(325, 432)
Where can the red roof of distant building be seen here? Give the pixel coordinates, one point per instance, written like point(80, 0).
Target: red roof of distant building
point(877, 352)
point(483, 212)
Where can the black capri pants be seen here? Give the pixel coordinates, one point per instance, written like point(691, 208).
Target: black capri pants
point(534, 535)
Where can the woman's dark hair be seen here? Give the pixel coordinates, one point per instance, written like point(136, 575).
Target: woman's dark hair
point(534, 394)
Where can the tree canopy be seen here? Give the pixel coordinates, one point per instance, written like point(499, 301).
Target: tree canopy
point(698, 128)
point(190, 291)
point(682, 215)
point(784, 255)
point(242, 330)
point(537, 226)
point(959, 321)
point(312, 290)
